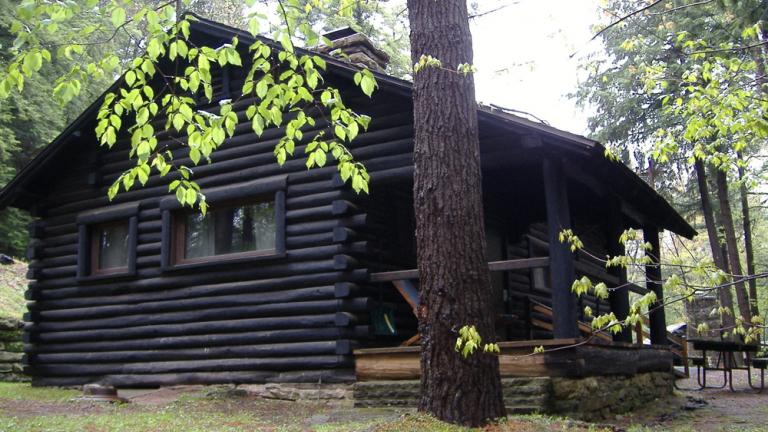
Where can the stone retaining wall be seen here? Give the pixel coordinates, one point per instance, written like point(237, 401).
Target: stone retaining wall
point(11, 350)
point(585, 398)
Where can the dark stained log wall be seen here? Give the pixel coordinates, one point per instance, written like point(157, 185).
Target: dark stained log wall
point(290, 318)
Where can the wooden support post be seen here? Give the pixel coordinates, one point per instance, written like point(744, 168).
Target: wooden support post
point(658, 322)
point(618, 298)
point(561, 259)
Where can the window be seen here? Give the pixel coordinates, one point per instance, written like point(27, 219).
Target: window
point(107, 242)
point(110, 247)
point(239, 230)
point(245, 221)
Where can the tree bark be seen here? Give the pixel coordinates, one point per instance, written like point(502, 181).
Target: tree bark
point(450, 235)
point(748, 247)
point(724, 294)
point(721, 178)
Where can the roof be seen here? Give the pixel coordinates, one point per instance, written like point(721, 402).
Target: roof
point(665, 215)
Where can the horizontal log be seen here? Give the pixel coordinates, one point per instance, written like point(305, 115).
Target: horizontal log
point(317, 199)
point(231, 309)
point(325, 226)
point(86, 296)
point(207, 340)
point(340, 347)
point(206, 378)
point(127, 315)
point(214, 365)
point(322, 317)
point(507, 265)
point(154, 279)
point(301, 241)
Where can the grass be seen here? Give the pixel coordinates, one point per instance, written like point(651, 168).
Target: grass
point(28, 409)
point(23, 391)
point(13, 282)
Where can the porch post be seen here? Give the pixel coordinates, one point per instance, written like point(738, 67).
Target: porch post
point(658, 322)
point(618, 298)
point(564, 314)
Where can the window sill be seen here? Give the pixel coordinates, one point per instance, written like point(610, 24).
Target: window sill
point(223, 261)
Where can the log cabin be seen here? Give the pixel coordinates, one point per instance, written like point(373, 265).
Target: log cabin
point(292, 277)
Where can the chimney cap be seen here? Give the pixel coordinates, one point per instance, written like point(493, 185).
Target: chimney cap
point(340, 33)
point(356, 47)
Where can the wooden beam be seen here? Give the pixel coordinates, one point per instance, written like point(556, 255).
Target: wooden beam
point(658, 322)
point(637, 289)
point(518, 264)
point(507, 265)
point(561, 259)
point(410, 293)
point(618, 298)
point(506, 345)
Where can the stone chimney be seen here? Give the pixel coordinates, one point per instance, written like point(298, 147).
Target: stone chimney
point(358, 49)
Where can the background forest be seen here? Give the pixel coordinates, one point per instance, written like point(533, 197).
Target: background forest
point(676, 88)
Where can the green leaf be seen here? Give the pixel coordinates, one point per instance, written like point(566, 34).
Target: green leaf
point(118, 17)
point(194, 154)
point(368, 84)
point(178, 122)
point(261, 88)
point(320, 158)
point(352, 130)
point(339, 131)
point(190, 197)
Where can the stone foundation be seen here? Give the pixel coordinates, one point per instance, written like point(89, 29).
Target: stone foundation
point(585, 398)
point(598, 397)
point(331, 393)
point(11, 351)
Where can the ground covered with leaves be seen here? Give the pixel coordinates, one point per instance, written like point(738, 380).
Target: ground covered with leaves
point(24, 408)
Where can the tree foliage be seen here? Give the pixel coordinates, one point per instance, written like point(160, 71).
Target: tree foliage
point(678, 82)
point(28, 121)
point(284, 86)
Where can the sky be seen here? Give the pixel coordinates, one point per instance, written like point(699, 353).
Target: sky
point(522, 53)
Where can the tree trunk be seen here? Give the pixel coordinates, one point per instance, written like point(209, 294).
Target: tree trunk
point(748, 247)
point(724, 294)
point(450, 236)
point(721, 178)
point(759, 55)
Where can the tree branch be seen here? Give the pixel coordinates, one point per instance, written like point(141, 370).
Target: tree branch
point(624, 18)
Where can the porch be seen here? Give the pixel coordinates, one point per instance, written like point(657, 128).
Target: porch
point(568, 358)
point(587, 353)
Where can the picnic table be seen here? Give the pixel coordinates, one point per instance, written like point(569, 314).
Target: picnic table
point(726, 362)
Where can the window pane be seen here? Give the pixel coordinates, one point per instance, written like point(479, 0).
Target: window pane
point(112, 245)
point(226, 230)
point(253, 228)
point(199, 236)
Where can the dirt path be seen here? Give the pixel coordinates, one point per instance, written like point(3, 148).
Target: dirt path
point(707, 410)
